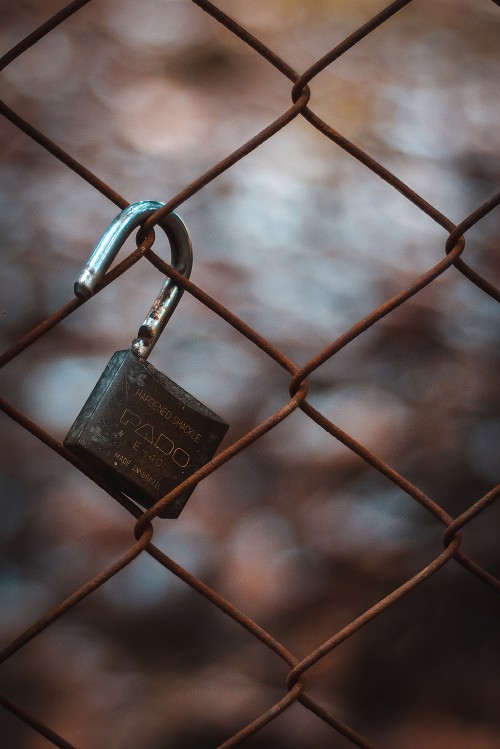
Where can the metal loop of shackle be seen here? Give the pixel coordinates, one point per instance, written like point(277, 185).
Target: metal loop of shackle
point(107, 249)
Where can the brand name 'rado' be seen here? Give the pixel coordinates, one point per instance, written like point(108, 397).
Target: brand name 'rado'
point(159, 440)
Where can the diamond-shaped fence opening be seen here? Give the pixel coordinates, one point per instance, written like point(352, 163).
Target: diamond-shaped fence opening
point(332, 580)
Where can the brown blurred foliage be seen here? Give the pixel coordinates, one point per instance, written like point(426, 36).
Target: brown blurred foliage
point(300, 241)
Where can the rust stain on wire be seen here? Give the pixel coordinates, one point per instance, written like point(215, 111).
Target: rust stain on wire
point(294, 680)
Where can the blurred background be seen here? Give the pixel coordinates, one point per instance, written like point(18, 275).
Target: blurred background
point(299, 240)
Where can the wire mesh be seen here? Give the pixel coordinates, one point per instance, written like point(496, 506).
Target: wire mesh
point(298, 664)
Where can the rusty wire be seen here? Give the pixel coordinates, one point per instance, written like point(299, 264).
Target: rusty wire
point(453, 255)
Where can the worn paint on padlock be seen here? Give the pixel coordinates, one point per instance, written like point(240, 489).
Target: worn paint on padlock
point(143, 431)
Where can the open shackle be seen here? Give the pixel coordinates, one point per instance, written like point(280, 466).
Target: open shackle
point(107, 249)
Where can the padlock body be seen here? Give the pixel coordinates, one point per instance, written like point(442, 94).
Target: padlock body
point(144, 432)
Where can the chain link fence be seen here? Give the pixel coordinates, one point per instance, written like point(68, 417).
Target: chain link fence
point(339, 725)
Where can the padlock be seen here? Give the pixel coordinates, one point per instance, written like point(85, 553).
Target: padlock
point(138, 427)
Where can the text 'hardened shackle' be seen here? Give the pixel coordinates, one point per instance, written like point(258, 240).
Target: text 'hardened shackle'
point(108, 247)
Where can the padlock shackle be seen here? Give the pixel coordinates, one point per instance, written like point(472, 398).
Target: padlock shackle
point(108, 247)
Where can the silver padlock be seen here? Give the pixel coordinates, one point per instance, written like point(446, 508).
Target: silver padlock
point(138, 428)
